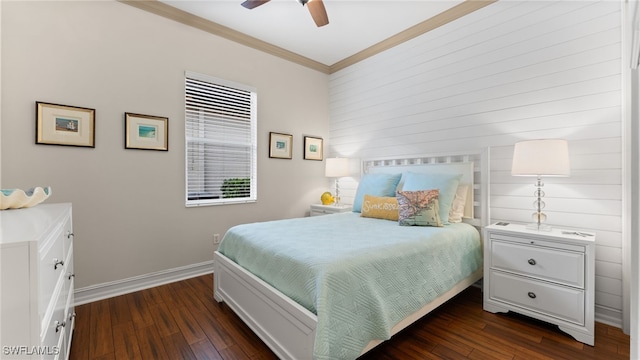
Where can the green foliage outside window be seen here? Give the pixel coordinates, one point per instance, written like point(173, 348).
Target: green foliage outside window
point(235, 188)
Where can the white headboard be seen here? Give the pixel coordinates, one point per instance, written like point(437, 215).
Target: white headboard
point(472, 165)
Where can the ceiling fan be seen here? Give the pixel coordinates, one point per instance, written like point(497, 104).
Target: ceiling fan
point(316, 8)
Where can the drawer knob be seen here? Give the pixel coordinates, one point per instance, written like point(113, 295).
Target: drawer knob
point(532, 294)
point(71, 275)
point(60, 325)
point(57, 263)
point(531, 262)
point(69, 234)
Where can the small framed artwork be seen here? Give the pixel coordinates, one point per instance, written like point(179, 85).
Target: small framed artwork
point(312, 148)
point(280, 145)
point(146, 132)
point(65, 125)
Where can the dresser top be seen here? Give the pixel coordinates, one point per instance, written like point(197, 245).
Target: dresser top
point(30, 224)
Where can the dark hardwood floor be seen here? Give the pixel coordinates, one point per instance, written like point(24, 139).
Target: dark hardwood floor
point(182, 321)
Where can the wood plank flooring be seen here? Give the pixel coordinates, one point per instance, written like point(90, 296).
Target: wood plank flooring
point(182, 321)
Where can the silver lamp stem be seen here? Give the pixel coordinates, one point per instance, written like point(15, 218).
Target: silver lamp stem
point(539, 204)
point(337, 198)
point(539, 193)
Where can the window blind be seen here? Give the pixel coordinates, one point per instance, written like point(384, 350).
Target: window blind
point(220, 131)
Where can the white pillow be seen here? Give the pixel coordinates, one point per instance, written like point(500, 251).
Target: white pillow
point(457, 206)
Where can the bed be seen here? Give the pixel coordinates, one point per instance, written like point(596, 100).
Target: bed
point(305, 299)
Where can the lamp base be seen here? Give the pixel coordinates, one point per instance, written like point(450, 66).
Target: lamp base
point(538, 227)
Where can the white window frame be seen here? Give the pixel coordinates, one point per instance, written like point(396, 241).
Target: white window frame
point(201, 140)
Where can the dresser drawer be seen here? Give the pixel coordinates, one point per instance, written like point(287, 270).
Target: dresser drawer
point(69, 311)
point(54, 330)
point(70, 317)
point(67, 235)
point(557, 301)
point(68, 271)
point(50, 268)
point(562, 266)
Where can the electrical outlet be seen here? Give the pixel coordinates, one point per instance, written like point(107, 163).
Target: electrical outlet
point(216, 238)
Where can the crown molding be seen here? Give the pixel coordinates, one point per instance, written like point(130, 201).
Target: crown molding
point(445, 17)
point(169, 12)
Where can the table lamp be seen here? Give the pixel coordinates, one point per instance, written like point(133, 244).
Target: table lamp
point(545, 157)
point(337, 168)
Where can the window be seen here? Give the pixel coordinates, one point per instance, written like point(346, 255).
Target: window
point(220, 134)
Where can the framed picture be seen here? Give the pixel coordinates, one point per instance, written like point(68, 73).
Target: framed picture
point(312, 148)
point(65, 125)
point(280, 145)
point(146, 132)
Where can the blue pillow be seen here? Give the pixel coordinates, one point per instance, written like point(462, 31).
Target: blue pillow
point(447, 184)
point(376, 185)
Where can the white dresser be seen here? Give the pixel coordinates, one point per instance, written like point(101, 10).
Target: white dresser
point(545, 275)
point(36, 273)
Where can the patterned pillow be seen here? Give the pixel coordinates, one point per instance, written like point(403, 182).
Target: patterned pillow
point(380, 207)
point(419, 208)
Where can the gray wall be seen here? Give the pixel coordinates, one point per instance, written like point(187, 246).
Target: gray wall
point(514, 70)
point(129, 212)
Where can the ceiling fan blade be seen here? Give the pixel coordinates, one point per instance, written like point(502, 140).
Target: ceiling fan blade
point(318, 12)
point(250, 4)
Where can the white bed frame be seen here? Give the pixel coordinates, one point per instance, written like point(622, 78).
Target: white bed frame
point(288, 328)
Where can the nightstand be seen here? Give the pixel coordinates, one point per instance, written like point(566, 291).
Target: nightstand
point(547, 275)
point(319, 209)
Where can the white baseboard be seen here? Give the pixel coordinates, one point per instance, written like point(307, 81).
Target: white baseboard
point(120, 287)
point(608, 316)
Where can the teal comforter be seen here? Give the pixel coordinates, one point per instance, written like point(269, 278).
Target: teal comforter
point(360, 276)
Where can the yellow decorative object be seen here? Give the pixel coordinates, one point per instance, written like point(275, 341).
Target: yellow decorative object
point(327, 198)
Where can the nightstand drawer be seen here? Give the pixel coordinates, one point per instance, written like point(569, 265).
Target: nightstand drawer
point(561, 302)
point(316, 212)
point(317, 209)
point(566, 267)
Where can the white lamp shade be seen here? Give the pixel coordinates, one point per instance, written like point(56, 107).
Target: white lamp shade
point(547, 157)
point(336, 167)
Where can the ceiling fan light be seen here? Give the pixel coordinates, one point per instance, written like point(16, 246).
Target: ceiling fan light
point(303, 2)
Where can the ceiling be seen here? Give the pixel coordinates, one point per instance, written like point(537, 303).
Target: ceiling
point(357, 28)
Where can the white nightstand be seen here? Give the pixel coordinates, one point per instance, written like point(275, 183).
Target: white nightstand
point(547, 275)
point(319, 209)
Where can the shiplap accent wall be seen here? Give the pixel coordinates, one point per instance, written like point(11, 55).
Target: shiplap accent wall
point(508, 72)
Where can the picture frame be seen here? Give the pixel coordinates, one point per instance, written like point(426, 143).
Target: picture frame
point(146, 132)
point(313, 148)
point(65, 125)
point(280, 145)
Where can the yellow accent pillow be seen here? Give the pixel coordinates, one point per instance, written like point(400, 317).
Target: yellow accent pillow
point(380, 207)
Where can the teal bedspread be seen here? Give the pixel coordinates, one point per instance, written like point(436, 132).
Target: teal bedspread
point(360, 276)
